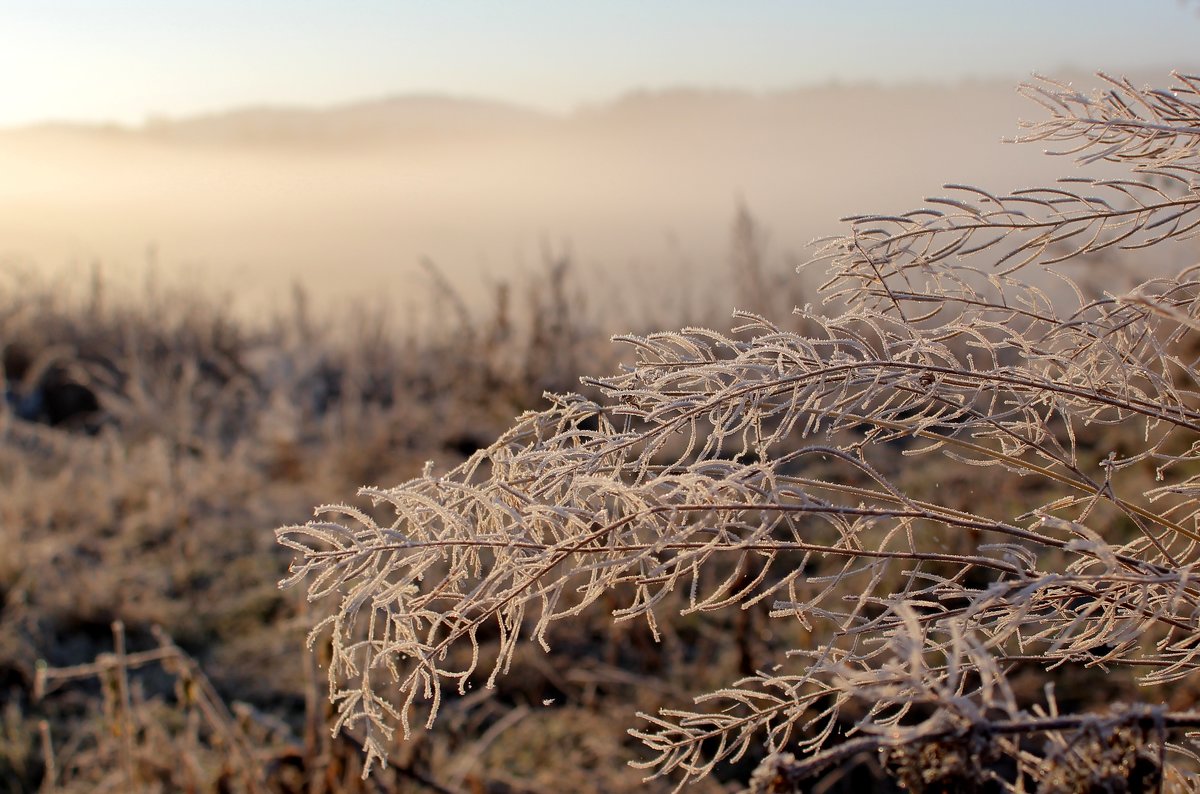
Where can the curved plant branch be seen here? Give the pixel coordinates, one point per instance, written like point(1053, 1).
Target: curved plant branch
point(800, 471)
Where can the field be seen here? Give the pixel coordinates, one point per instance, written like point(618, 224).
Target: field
point(155, 507)
point(925, 534)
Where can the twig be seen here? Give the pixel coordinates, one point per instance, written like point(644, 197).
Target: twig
point(124, 718)
point(49, 767)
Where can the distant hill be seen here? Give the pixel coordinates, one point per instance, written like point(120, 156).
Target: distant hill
point(392, 120)
point(427, 118)
point(406, 119)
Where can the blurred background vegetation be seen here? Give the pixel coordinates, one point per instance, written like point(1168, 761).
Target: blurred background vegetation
point(150, 443)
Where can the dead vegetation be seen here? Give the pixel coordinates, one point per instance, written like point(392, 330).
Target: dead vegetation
point(959, 481)
point(151, 510)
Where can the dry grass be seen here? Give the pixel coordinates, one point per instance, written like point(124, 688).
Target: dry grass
point(154, 513)
point(926, 536)
point(754, 477)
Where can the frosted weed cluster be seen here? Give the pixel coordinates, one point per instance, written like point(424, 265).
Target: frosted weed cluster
point(759, 469)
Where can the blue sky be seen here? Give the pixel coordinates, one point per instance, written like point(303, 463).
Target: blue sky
point(97, 60)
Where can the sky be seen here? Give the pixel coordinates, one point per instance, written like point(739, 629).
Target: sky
point(126, 61)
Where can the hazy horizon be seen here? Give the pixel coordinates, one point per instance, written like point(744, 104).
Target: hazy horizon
point(1066, 72)
point(349, 200)
point(244, 148)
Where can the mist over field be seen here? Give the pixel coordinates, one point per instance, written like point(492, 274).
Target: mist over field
point(348, 200)
point(370, 363)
